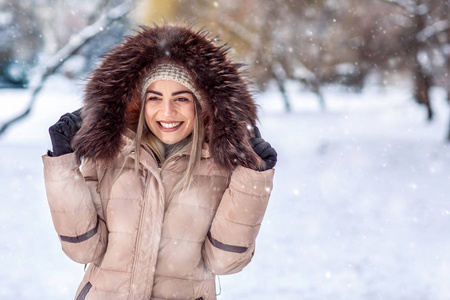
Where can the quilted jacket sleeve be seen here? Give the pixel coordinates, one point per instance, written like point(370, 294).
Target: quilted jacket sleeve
point(230, 244)
point(75, 207)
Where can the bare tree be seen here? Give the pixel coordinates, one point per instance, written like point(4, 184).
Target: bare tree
point(423, 37)
point(268, 35)
point(42, 71)
point(321, 42)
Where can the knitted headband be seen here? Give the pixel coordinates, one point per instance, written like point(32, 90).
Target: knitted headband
point(170, 72)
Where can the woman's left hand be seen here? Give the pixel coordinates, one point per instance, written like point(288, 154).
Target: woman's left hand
point(264, 150)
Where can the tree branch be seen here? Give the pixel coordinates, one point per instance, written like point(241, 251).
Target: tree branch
point(42, 72)
point(433, 30)
point(404, 7)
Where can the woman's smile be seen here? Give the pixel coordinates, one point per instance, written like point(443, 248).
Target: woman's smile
point(169, 126)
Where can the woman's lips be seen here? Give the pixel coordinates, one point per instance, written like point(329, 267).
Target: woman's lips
point(169, 126)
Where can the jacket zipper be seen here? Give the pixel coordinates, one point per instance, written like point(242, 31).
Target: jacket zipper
point(141, 221)
point(138, 240)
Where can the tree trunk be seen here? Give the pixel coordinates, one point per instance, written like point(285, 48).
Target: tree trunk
point(282, 89)
point(315, 85)
point(448, 99)
point(422, 85)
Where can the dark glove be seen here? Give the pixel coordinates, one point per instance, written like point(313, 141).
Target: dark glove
point(63, 132)
point(264, 150)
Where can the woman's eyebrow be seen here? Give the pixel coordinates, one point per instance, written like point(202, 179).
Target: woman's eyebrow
point(173, 94)
point(182, 92)
point(154, 92)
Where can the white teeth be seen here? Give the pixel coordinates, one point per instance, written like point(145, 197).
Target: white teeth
point(169, 125)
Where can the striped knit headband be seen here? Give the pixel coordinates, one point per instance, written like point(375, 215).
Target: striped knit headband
point(170, 72)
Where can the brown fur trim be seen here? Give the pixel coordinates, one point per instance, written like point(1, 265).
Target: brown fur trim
point(112, 94)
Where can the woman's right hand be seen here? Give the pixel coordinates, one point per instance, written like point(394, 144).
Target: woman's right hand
point(63, 131)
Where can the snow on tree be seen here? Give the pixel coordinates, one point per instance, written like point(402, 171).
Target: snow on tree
point(102, 17)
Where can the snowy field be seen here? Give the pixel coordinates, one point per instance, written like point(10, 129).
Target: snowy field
point(360, 207)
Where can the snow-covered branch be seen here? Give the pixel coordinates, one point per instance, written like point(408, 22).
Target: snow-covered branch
point(433, 30)
point(43, 71)
point(82, 38)
point(410, 9)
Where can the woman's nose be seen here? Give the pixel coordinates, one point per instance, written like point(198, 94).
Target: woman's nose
point(168, 108)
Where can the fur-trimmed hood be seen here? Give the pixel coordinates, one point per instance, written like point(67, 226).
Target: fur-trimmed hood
point(112, 95)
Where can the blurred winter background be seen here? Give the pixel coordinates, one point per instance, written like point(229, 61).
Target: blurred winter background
point(354, 95)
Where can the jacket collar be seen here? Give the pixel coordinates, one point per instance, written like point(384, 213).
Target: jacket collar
point(145, 158)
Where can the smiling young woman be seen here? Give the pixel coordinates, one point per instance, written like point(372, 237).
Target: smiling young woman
point(175, 178)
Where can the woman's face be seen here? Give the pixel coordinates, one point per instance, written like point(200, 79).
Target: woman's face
point(169, 111)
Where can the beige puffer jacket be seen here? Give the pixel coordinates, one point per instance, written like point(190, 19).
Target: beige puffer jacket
point(140, 245)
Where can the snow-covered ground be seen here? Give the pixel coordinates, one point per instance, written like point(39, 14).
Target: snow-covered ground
point(360, 207)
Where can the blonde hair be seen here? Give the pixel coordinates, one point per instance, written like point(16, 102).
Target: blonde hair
point(163, 153)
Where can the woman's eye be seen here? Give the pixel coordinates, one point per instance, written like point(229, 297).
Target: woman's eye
point(152, 98)
point(182, 99)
